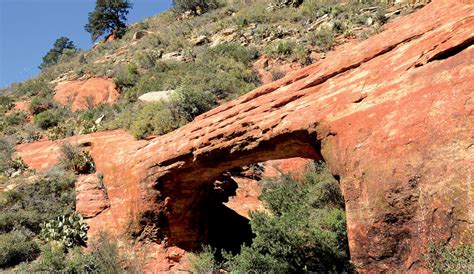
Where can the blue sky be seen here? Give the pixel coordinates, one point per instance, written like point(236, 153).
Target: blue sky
point(28, 29)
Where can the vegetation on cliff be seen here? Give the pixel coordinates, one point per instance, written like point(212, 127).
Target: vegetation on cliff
point(303, 230)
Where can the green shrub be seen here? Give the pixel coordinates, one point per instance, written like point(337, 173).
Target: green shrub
point(6, 103)
point(323, 39)
point(48, 119)
point(233, 51)
point(283, 48)
point(16, 247)
point(69, 230)
point(15, 118)
point(190, 103)
point(6, 151)
point(31, 203)
point(127, 76)
point(158, 118)
point(40, 103)
point(196, 6)
point(33, 87)
point(451, 259)
point(305, 230)
point(204, 262)
point(103, 257)
point(80, 162)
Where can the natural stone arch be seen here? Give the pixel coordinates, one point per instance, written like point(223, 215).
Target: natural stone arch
point(392, 117)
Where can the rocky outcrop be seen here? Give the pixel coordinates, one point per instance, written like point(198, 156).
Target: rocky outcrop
point(91, 195)
point(393, 118)
point(82, 94)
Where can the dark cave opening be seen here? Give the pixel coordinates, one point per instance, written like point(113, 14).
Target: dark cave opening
point(227, 229)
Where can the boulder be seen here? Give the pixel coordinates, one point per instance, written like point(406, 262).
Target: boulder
point(155, 96)
point(82, 94)
point(139, 34)
point(173, 56)
point(391, 116)
point(202, 39)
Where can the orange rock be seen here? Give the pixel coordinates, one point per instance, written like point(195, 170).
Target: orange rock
point(91, 197)
point(295, 166)
point(82, 94)
point(392, 117)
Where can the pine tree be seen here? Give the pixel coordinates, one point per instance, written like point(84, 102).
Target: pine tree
point(61, 46)
point(109, 16)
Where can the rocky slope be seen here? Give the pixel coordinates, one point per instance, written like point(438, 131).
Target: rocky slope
point(391, 116)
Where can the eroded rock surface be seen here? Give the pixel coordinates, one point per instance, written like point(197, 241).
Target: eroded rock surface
point(82, 94)
point(393, 118)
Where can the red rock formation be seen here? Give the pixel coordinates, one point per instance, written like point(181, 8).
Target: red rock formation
point(91, 196)
point(83, 94)
point(393, 118)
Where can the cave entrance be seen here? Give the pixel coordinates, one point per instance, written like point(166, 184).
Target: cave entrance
point(236, 193)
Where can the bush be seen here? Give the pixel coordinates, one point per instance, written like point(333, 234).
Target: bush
point(103, 257)
point(305, 230)
point(191, 103)
point(33, 87)
point(40, 103)
point(204, 262)
point(80, 162)
point(6, 103)
point(157, 118)
point(16, 247)
point(6, 151)
point(31, 203)
point(15, 118)
point(48, 119)
point(451, 259)
point(197, 7)
point(127, 76)
point(283, 48)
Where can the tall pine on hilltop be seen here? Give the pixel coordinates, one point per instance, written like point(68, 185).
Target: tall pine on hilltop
point(108, 17)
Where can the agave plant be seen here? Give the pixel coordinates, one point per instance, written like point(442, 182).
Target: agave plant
point(70, 230)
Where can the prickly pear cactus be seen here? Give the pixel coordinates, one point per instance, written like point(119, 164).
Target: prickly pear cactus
point(70, 230)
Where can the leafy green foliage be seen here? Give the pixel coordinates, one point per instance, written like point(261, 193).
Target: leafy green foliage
point(16, 247)
point(6, 103)
point(451, 259)
point(8, 164)
point(108, 16)
point(205, 261)
point(13, 119)
point(48, 119)
point(305, 230)
point(195, 6)
point(80, 162)
point(31, 203)
point(62, 46)
point(40, 103)
point(69, 230)
point(104, 257)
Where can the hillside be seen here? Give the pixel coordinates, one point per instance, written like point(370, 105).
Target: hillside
point(166, 140)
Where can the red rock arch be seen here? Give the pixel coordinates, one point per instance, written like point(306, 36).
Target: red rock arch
point(391, 116)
